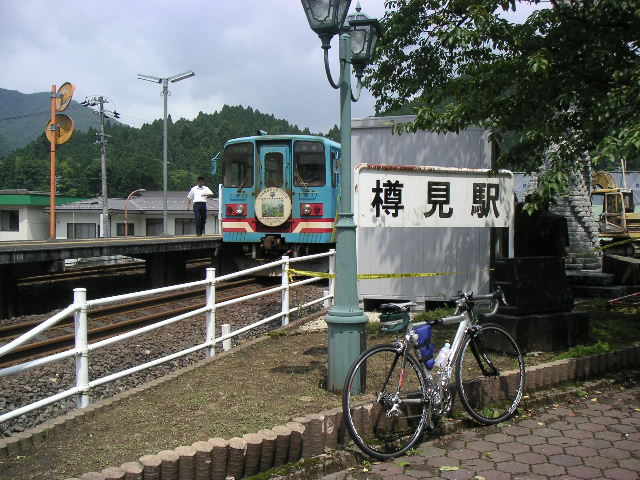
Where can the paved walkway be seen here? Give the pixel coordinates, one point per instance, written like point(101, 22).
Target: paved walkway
point(594, 438)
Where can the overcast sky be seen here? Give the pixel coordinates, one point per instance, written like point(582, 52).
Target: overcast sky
point(257, 53)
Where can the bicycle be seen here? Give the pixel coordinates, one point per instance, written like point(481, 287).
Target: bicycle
point(391, 395)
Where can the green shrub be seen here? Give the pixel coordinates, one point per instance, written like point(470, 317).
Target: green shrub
point(584, 350)
point(433, 314)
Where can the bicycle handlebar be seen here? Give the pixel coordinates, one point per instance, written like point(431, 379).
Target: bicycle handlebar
point(469, 297)
point(465, 301)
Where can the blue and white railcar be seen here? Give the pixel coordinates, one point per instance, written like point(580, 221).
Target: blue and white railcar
point(279, 195)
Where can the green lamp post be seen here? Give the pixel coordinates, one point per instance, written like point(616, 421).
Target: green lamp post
point(358, 37)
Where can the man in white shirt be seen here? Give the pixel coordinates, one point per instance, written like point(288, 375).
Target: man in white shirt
point(198, 197)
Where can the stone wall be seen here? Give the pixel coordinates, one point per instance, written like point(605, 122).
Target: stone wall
point(575, 206)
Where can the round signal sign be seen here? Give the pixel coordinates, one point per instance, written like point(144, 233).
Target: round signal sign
point(66, 93)
point(65, 125)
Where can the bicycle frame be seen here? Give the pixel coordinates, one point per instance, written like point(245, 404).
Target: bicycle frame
point(465, 320)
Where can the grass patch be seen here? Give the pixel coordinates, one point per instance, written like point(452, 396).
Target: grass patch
point(278, 334)
point(433, 314)
point(584, 350)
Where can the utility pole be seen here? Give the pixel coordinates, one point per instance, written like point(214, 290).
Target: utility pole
point(99, 101)
point(103, 156)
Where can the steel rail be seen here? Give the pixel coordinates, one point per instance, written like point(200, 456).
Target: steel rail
point(8, 332)
point(97, 334)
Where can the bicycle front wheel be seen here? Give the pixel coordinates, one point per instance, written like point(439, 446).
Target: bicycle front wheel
point(383, 401)
point(490, 374)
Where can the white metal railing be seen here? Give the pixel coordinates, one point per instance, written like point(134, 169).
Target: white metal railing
point(82, 348)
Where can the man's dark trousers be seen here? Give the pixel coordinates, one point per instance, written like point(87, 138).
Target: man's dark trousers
point(200, 210)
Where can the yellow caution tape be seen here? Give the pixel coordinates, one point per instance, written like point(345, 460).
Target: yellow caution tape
point(621, 242)
point(304, 273)
point(374, 276)
point(615, 244)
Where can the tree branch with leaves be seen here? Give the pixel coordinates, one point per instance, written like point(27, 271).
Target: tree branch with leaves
point(560, 88)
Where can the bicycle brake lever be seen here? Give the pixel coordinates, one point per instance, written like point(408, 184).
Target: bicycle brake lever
point(499, 295)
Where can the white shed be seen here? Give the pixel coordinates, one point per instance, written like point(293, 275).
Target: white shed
point(467, 251)
point(23, 216)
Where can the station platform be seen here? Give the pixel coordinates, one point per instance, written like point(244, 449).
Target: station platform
point(164, 256)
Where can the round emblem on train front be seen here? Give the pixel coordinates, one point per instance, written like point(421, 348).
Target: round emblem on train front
point(273, 207)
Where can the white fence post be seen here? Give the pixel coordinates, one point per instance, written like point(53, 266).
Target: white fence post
point(285, 292)
point(82, 355)
point(332, 280)
point(226, 344)
point(210, 294)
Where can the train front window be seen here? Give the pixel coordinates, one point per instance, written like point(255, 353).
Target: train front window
point(273, 168)
point(310, 164)
point(238, 165)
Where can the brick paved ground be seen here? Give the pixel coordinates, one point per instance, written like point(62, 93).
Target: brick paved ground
point(594, 438)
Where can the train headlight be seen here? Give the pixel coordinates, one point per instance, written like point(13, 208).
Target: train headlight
point(236, 209)
point(312, 209)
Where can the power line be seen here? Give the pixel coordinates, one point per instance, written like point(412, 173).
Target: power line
point(25, 116)
point(114, 114)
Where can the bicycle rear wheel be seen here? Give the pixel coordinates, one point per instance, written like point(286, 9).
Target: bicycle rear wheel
point(490, 374)
point(383, 401)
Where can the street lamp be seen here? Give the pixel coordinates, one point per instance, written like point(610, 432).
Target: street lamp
point(165, 94)
point(358, 37)
point(126, 210)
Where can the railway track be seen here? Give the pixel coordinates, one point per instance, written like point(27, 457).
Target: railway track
point(112, 320)
point(74, 273)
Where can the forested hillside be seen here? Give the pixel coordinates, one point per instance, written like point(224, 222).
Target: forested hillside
point(134, 156)
point(23, 117)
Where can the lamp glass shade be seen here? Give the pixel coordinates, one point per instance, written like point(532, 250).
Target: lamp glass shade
point(364, 32)
point(358, 43)
point(326, 16)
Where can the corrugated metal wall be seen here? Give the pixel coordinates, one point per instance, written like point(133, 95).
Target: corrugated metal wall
point(418, 250)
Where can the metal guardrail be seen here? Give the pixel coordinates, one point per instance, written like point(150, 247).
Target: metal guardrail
point(82, 348)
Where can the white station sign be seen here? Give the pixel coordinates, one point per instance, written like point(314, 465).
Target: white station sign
point(418, 196)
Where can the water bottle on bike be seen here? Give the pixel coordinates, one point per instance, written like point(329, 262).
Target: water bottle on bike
point(443, 356)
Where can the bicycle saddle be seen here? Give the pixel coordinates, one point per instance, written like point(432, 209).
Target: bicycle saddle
point(396, 307)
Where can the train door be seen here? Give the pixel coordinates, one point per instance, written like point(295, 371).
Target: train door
point(273, 201)
point(273, 162)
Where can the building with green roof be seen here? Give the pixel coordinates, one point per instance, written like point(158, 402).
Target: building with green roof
point(23, 216)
